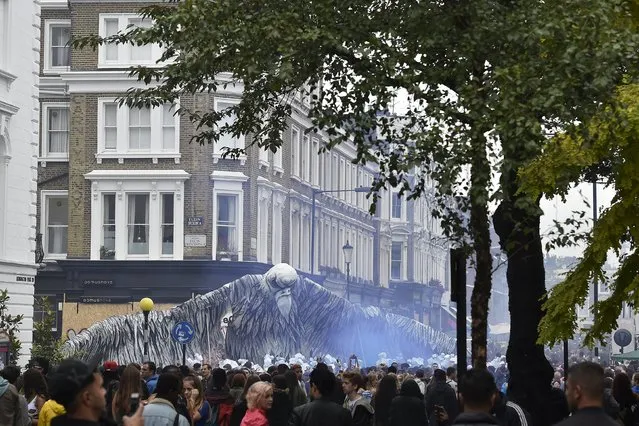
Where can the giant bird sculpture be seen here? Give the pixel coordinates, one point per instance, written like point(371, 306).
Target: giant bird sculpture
point(277, 313)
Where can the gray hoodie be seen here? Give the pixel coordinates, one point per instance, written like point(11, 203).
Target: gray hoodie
point(13, 407)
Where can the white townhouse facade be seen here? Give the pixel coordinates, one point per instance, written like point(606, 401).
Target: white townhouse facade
point(19, 128)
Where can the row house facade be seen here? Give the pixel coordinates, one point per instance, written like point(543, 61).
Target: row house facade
point(19, 115)
point(128, 207)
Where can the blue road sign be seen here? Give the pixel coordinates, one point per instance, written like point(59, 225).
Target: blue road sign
point(183, 332)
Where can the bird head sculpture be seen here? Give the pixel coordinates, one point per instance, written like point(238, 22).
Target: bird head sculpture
point(280, 280)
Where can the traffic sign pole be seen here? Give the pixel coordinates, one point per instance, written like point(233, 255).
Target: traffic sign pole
point(183, 332)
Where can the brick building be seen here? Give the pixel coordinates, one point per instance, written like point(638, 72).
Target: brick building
point(128, 208)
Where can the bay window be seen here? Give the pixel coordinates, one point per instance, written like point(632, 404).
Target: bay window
point(125, 132)
point(137, 214)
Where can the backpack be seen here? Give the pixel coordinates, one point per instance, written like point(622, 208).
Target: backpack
point(220, 414)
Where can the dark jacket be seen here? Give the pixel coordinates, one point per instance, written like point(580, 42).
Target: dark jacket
point(320, 412)
point(510, 414)
point(440, 393)
point(239, 410)
point(362, 412)
point(281, 410)
point(408, 411)
point(591, 416)
point(610, 404)
point(475, 419)
point(64, 421)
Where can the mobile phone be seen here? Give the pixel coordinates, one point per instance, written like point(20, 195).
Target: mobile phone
point(134, 403)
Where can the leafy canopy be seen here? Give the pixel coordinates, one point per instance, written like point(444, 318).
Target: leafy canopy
point(499, 72)
point(613, 140)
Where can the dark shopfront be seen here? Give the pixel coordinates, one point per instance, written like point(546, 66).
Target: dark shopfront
point(86, 291)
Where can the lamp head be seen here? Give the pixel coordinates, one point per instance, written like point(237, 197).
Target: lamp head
point(348, 252)
point(146, 304)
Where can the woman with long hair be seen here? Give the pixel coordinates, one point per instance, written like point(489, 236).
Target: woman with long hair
point(259, 400)
point(35, 391)
point(408, 408)
point(199, 409)
point(295, 392)
point(386, 391)
point(372, 379)
point(237, 385)
point(240, 408)
point(628, 404)
point(129, 383)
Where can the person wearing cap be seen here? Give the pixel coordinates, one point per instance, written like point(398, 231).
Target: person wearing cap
point(79, 390)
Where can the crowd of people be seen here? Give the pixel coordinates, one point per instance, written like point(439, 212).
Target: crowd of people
point(75, 394)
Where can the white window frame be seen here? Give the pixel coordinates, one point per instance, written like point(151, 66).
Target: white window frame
point(48, 68)
point(402, 265)
point(45, 156)
point(315, 163)
point(239, 142)
point(296, 151)
point(394, 195)
point(122, 150)
point(306, 159)
point(277, 157)
point(44, 220)
point(124, 50)
point(127, 182)
point(229, 183)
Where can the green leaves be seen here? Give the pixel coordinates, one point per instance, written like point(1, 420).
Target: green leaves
point(10, 324)
point(609, 138)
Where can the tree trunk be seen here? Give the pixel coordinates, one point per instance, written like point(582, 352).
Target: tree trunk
point(480, 230)
point(530, 372)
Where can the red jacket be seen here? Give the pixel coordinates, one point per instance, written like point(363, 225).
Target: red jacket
point(255, 417)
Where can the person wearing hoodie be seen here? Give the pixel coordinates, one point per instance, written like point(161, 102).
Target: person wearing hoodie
point(408, 408)
point(259, 400)
point(359, 407)
point(477, 395)
point(13, 409)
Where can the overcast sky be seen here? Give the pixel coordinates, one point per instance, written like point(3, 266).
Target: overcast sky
point(576, 200)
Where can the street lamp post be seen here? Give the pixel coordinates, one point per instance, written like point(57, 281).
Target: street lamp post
point(348, 258)
point(146, 305)
point(314, 200)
